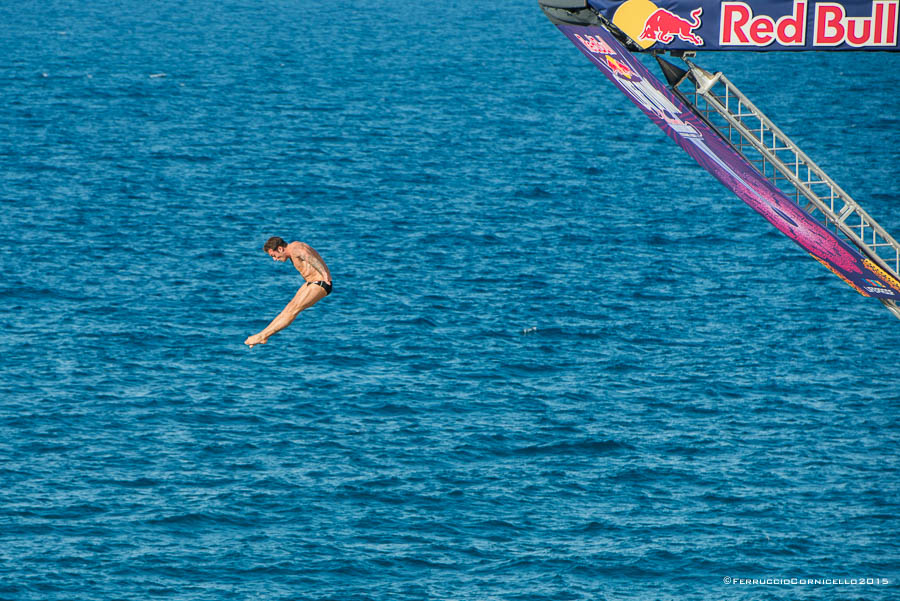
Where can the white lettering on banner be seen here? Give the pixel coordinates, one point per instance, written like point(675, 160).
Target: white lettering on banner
point(834, 27)
point(738, 26)
point(595, 44)
point(646, 95)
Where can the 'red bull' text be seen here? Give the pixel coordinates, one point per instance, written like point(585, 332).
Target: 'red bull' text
point(831, 26)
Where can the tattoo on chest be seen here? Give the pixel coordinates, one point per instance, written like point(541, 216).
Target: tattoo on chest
point(312, 262)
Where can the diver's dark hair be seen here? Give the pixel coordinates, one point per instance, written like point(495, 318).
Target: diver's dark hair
point(273, 243)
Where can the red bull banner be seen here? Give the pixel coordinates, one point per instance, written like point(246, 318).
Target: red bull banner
point(654, 25)
point(706, 147)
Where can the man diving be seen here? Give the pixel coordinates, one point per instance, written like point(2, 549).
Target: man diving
point(317, 286)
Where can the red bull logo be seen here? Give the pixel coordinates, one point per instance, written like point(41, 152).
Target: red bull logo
point(619, 67)
point(766, 24)
point(664, 26)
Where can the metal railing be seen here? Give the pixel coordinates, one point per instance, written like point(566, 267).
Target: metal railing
point(778, 159)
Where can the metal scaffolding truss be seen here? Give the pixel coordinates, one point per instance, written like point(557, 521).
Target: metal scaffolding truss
point(766, 147)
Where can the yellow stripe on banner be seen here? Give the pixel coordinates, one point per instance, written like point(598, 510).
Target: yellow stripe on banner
point(891, 280)
point(840, 275)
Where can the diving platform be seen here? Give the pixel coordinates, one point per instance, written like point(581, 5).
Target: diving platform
point(751, 133)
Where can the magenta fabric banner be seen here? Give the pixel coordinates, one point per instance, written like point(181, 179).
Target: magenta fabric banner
point(703, 144)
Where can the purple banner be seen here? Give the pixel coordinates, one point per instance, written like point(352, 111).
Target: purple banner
point(707, 148)
point(757, 25)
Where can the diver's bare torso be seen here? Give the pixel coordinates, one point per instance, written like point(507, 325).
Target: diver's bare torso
point(308, 262)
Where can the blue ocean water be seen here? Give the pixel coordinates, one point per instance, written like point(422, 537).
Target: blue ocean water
point(560, 360)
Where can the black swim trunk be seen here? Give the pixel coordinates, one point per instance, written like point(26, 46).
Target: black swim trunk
point(325, 286)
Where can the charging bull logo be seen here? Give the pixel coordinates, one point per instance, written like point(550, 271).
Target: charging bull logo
point(619, 68)
point(663, 25)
